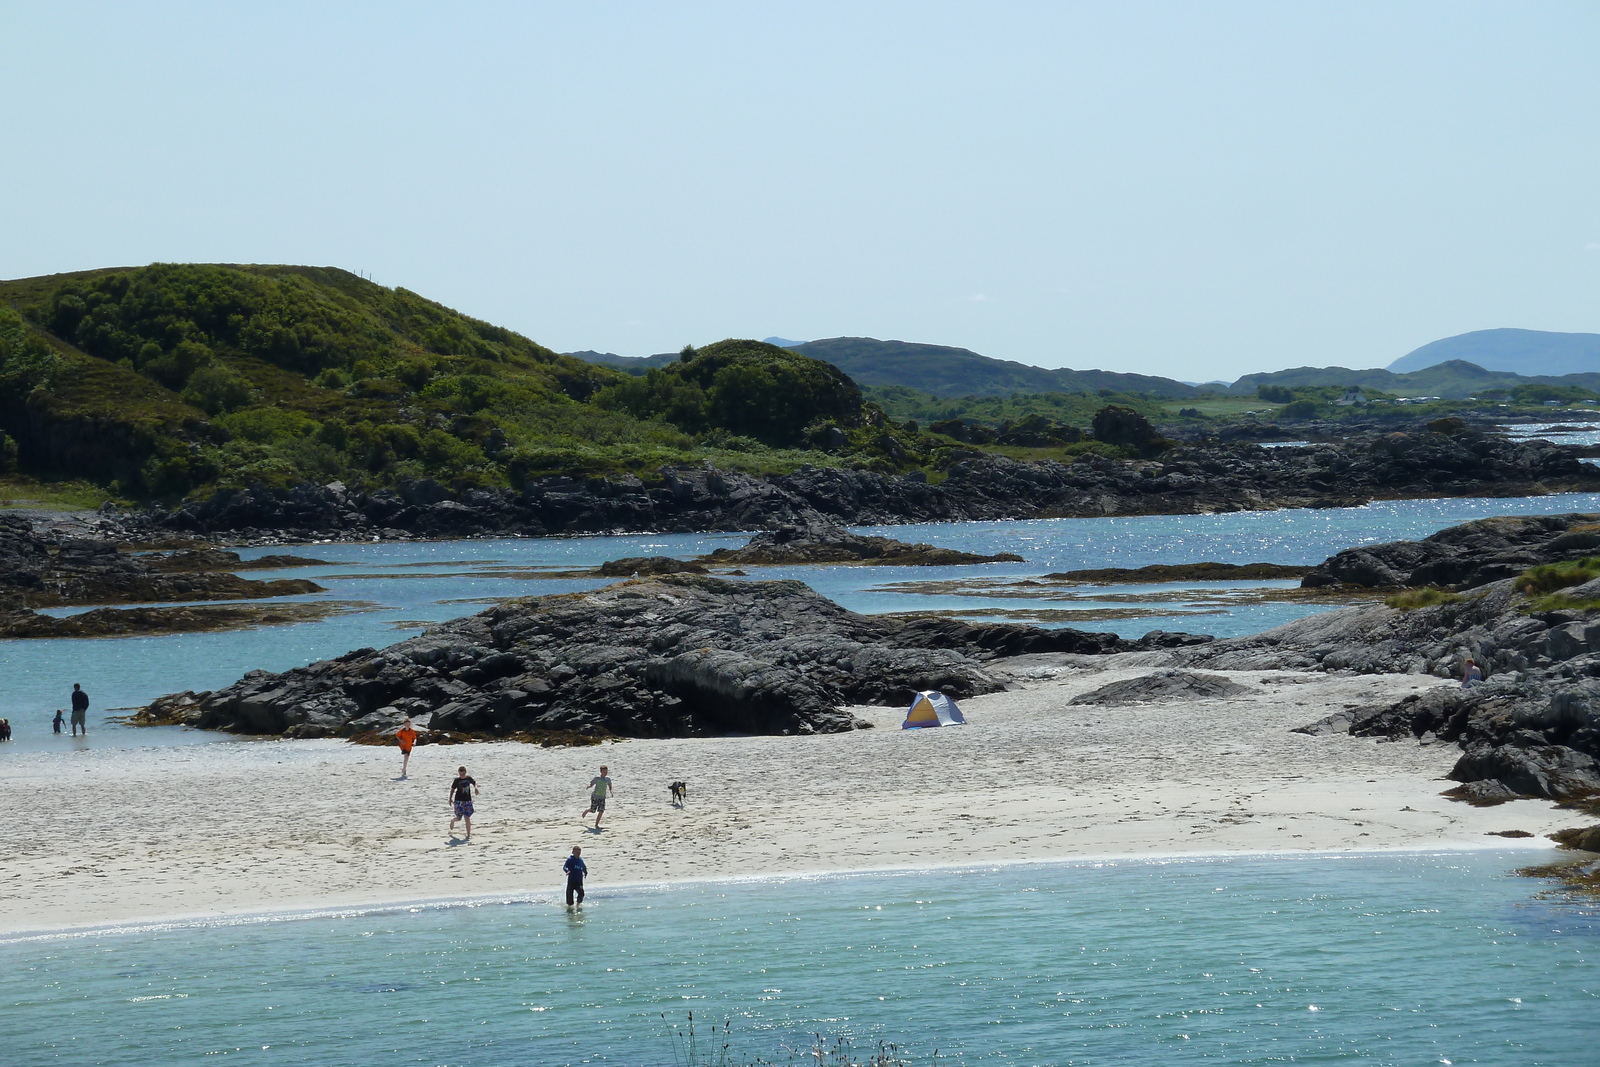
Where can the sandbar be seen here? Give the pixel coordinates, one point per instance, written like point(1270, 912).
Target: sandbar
point(240, 828)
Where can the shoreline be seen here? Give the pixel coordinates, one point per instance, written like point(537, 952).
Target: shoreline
point(552, 897)
point(135, 837)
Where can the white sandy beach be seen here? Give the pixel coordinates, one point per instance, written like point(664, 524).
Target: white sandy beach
point(114, 836)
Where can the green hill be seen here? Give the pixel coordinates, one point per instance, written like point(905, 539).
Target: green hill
point(173, 379)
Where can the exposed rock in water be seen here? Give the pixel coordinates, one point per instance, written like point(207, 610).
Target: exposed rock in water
point(19, 622)
point(648, 566)
point(1164, 685)
point(1183, 572)
point(655, 657)
point(829, 543)
point(48, 570)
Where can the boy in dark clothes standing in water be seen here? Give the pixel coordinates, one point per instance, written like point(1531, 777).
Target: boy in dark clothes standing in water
point(576, 870)
point(462, 787)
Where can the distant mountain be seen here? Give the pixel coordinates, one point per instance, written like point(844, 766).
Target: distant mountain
point(631, 364)
point(1525, 352)
point(1452, 380)
point(950, 372)
point(781, 342)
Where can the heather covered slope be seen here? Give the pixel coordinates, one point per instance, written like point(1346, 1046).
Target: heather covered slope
point(172, 379)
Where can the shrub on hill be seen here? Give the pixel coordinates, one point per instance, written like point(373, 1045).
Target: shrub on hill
point(746, 388)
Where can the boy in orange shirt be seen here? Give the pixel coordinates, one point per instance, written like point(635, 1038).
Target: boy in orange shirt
point(405, 737)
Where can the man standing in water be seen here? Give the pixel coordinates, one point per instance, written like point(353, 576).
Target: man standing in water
point(405, 737)
point(80, 710)
point(599, 790)
point(462, 787)
point(576, 870)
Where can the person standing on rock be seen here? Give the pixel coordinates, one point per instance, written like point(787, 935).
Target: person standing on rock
point(405, 737)
point(577, 871)
point(599, 789)
point(80, 710)
point(462, 787)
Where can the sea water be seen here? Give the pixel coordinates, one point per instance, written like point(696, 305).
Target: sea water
point(393, 590)
point(1375, 958)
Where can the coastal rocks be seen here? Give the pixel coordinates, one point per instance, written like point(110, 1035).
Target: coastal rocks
point(1532, 726)
point(1465, 556)
point(647, 566)
point(46, 569)
point(1194, 479)
point(1182, 572)
point(17, 622)
point(669, 656)
point(1164, 686)
point(829, 543)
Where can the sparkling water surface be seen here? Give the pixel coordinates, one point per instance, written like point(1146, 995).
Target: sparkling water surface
point(1375, 958)
point(394, 589)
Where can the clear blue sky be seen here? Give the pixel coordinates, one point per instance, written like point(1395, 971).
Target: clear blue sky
point(1196, 190)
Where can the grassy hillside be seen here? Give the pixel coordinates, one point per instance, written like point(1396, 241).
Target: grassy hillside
point(159, 381)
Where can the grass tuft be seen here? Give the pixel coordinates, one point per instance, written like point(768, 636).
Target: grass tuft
point(1426, 597)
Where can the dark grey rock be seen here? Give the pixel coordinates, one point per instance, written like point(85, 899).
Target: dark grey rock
point(1164, 685)
point(655, 657)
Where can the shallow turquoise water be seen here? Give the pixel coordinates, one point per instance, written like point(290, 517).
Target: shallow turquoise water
point(404, 586)
point(1358, 958)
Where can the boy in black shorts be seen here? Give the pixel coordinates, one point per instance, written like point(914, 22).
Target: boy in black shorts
point(462, 787)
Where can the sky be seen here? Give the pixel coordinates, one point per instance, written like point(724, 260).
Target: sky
point(1192, 190)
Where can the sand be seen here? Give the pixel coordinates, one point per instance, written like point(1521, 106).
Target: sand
point(239, 828)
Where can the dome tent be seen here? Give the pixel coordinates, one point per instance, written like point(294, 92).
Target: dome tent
point(932, 709)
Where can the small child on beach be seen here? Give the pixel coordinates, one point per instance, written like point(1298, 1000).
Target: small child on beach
point(599, 789)
point(405, 737)
point(462, 788)
point(576, 870)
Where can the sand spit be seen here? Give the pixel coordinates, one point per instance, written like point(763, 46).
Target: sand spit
point(238, 828)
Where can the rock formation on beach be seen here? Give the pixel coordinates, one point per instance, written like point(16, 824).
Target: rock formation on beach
point(654, 657)
point(1522, 599)
point(1194, 479)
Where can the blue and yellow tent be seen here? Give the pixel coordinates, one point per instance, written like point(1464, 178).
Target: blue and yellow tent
point(932, 709)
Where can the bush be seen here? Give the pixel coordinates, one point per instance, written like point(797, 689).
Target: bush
point(215, 389)
point(1300, 409)
point(1118, 425)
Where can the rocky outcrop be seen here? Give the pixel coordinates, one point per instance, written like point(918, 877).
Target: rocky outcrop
point(1182, 572)
point(656, 657)
point(46, 569)
point(145, 622)
point(647, 566)
point(829, 543)
point(1532, 727)
point(1164, 686)
point(1196, 479)
point(1465, 556)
